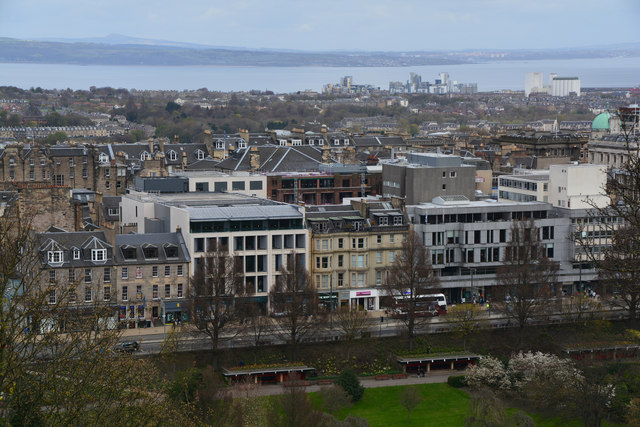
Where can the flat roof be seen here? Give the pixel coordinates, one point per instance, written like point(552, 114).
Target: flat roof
point(481, 204)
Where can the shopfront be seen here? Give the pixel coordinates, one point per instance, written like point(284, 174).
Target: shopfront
point(364, 299)
point(175, 311)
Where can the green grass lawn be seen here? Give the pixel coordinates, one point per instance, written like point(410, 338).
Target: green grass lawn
point(442, 406)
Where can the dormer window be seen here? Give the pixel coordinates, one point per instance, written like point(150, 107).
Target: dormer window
point(311, 142)
point(336, 142)
point(219, 145)
point(200, 155)
point(321, 141)
point(397, 220)
point(150, 252)
point(383, 220)
point(76, 253)
point(283, 142)
point(98, 254)
point(145, 156)
point(55, 257)
point(103, 158)
point(173, 155)
point(128, 252)
point(346, 142)
point(242, 144)
point(296, 142)
point(171, 251)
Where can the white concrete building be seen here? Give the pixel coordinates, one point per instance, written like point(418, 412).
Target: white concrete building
point(533, 83)
point(578, 186)
point(524, 185)
point(220, 182)
point(265, 235)
point(564, 86)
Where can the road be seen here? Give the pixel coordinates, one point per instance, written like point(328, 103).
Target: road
point(151, 340)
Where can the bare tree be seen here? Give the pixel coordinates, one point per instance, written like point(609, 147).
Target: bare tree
point(410, 398)
point(466, 320)
point(618, 260)
point(255, 324)
point(410, 279)
point(352, 323)
point(294, 304)
point(525, 278)
point(57, 365)
point(215, 285)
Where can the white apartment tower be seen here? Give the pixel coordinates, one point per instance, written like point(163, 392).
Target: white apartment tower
point(532, 83)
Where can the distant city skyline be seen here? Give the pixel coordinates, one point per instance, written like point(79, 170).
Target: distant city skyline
point(373, 25)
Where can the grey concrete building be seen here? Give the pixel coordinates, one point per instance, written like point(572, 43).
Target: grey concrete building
point(424, 176)
point(467, 242)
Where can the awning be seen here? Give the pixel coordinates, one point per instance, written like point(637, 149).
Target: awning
point(174, 306)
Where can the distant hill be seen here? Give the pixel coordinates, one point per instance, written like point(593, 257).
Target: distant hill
point(123, 50)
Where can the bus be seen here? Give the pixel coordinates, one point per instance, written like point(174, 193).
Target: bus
point(426, 305)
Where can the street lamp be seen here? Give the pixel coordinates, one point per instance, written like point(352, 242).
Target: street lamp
point(331, 301)
point(473, 270)
point(164, 318)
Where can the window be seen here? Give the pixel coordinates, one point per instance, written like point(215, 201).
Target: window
point(340, 279)
point(72, 275)
point(73, 297)
point(70, 162)
point(173, 155)
point(397, 220)
point(392, 238)
point(378, 257)
point(237, 185)
point(52, 296)
point(85, 174)
point(155, 291)
point(76, 253)
point(357, 261)
point(87, 275)
point(88, 294)
point(379, 239)
point(125, 273)
point(179, 291)
point(52, 276)
point(32, 174)
point(357, 243)
point(138, 272)
point(549, 250)
point(154, 271)
point(325, 244)
point(392, 256)
point(139, 292)
point(125, 293)
point(167, 291)
point(341, 243)
point(444, 174)
point(200, 155)
point(150, 252)
point(107, 172)
point(167, 270)
point(255, 185)
point(325, 281)
point(340, 260)
point(106, 293)
point(322, 262)
point(180, 270)
point(444, 186)
point(383, 220)
point(452, 174)
point(378, 277)
point(98, 254)
point(55, 257)
point(106, 276)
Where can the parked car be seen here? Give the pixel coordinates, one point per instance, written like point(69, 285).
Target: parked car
point(128, 347)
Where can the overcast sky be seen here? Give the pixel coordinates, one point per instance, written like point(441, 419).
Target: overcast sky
point(334, 24)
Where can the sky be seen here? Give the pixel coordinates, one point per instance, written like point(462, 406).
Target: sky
point(316, 25)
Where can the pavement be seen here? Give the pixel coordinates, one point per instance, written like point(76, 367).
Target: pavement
point(249, 390)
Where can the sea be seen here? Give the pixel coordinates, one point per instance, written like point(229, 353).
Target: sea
point(490, 76)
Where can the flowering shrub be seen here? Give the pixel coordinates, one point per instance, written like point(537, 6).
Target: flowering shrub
point(526, 368)
point(488, 372)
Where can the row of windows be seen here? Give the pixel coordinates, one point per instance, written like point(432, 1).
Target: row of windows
point(154, 271)
point(359, 280)
point(154, 292)
point(356, 243)
point(357, 261)
point(57, 257)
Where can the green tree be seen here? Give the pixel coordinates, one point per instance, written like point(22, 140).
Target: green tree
point(56, 137)
point(466, 320)
point(350, 383)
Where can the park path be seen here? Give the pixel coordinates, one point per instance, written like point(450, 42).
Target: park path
point(243, 390)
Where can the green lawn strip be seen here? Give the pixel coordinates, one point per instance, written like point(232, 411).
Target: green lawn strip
point(442, 406)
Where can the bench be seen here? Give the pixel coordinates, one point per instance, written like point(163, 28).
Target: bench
point(399, 376)
point(382, 377)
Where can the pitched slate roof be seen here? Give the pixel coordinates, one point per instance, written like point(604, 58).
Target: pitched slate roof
point(378, 141)
point(160, 240)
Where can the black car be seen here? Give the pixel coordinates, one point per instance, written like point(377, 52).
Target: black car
point(128, 347)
